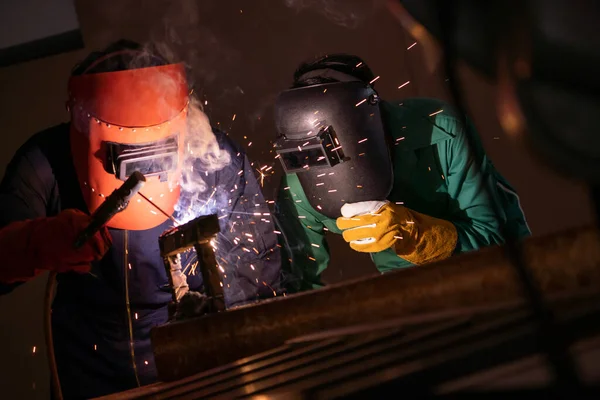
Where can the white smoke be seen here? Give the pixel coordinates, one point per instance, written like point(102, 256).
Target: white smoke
point(347, 13)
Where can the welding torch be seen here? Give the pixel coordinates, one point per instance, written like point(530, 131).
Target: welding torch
point(115, 203)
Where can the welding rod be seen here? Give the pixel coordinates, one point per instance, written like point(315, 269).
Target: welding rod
point(115, 203)
point(159, 209)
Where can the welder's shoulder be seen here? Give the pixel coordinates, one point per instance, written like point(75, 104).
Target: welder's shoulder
point(420, 118)
point(34, 159)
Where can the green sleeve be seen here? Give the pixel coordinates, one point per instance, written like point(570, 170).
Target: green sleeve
point(471, 188)
point(305, 254)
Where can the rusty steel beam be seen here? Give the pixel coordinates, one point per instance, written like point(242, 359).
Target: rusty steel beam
point(563, 262)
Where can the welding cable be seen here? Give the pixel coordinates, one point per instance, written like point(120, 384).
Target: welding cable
point(48, 297)
point(550, 334)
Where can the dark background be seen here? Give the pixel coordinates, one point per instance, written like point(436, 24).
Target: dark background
point(242, 54)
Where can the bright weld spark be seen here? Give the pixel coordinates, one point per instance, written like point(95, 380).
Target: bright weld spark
point(399, 139)
point(404, 84)
point(286, 188)
point(319, 207)
point(325, 91)
point(336, 141)
point(305, 144)
point(248, 234)
point(241, 172)
point(257, 214)
point(314, 245)
point(249, 144)
point(360, 102)
point(363, 140)
point(399, 202)
point(34, 347)
point(411, 46)
point(319, 184)
point(336, 148)
point(320, 175)
point(252, 266)
point(332, 190)
point(221, 268)
point(308, 133)
point(299, 148)
point(233, 119)
point(268, 169)
point(331, 173)
point(359, 186)
point(435, 113)
point(277, 232)
point(410, 222)
point(277, 156)
point(312, 259)
point(398, 237)
point(359, 64)
point(361, 154)
point(374, 79)
point(263, 167)
point(301, 216)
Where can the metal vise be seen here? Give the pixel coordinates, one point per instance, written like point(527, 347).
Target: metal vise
point(198, 234)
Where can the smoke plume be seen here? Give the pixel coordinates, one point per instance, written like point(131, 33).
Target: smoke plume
point(346, 13)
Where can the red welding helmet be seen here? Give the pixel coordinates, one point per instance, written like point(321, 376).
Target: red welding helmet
point(126, 121)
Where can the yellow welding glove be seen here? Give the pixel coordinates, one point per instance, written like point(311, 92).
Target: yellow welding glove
point(374, 226)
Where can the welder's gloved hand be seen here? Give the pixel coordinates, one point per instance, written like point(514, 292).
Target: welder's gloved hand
point(192, 304)
point(57, 236)
point(48, 244)
point(374, 226)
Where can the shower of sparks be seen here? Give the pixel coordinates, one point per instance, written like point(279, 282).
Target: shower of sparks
point(363, 140)
point(404, 84)
point(360, 102)
point(411, 46)
point(435, 113)
point(374, 79)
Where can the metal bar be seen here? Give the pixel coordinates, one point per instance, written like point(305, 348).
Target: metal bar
point(213, 284)
point(484, 277)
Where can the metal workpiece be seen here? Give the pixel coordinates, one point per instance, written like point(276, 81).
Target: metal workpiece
point(563, 262)
point(196, 234)
point(486, 349)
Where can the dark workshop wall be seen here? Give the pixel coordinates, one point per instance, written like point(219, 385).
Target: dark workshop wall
point(243, 53)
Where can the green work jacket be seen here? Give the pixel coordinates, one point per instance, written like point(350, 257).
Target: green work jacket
point(435, 173)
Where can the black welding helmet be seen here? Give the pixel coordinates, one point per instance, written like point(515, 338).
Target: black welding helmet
point(332, 136)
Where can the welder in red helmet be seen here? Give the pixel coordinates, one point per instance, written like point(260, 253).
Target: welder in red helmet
point(131, 110)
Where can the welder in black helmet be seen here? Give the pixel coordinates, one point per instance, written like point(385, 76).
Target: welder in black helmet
point(396, 179)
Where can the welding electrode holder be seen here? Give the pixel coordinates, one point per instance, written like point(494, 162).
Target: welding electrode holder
point(115, 203)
